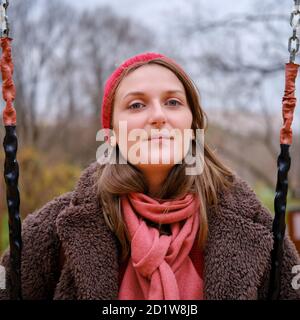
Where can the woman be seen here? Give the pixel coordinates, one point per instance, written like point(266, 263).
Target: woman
point(145, 227)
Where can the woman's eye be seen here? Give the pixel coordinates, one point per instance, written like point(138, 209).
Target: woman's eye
point(172, 100)
point(138, 105)
point(135, 105)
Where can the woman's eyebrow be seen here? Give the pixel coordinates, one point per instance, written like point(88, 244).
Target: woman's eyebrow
point(141, 93)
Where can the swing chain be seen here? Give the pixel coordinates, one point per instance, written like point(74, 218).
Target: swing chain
point(4, 25)
point(297, 3)
point(295, 23)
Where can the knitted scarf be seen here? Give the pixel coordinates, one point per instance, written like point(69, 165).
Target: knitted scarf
point(159, 267)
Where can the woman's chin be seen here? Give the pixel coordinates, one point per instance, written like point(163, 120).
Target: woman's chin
point(156, 164)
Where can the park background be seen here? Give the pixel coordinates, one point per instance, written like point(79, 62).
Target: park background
point(64, 51)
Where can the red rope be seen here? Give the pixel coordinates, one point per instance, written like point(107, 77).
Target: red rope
point(288, 103)
point(8, 87)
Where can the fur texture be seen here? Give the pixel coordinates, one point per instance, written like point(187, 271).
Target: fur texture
point(236, 256)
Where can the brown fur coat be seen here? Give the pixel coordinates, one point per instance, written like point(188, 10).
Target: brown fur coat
point(236, 256)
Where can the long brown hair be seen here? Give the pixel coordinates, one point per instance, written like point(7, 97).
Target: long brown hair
point(115, 180)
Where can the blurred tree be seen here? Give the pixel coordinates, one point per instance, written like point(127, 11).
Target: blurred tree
point(238, 60)
point(38, 29)
point(98, 40)
point(39, 180)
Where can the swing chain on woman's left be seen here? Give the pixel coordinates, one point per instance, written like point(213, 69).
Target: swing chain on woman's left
point(295, 23)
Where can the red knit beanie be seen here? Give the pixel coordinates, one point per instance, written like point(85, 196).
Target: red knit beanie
point(106, 109)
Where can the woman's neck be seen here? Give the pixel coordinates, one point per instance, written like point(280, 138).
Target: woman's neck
point(155, 178)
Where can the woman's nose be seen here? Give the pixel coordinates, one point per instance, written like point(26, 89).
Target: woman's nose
point(157, 114)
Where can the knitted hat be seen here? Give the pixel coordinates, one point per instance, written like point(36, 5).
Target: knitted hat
point(106, 109)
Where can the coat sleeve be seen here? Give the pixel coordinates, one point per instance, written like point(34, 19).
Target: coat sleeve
point(291, 259)
point(260, 214)
point(40, 253)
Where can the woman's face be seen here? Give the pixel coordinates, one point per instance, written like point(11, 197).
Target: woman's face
point(153, 99)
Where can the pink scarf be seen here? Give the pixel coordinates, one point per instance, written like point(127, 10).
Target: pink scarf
point(159, 267)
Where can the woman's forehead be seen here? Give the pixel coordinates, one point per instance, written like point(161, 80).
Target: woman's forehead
point(149, 77)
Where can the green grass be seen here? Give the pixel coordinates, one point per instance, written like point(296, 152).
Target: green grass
point(4, 232)
point(266, 196)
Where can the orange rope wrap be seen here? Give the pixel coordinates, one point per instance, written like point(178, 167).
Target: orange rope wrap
point(8, 87)
point(288, 103)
